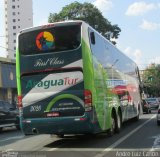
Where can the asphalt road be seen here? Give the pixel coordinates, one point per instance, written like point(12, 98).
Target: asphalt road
point(140, 138)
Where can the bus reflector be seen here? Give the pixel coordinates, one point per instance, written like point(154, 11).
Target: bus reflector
point(19, 101)
point(26, 121)
point(80, 119)
point(88, 100)
point(53, 114)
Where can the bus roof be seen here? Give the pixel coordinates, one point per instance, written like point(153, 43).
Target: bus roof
point(48, 25)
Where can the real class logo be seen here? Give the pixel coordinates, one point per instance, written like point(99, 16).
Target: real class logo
point(49, 61)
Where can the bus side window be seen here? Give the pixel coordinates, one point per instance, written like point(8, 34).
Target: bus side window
point(92, 36)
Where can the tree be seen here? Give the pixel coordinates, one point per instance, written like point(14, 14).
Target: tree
point(151, 80)
point(90, 14)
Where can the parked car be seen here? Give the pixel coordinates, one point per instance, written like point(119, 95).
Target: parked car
point(154, 102)
point(158, 116)
point(146, 106)
point(9, 115)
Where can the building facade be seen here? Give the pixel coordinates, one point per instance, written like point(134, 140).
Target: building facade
point(18, 15)
point(8, 86)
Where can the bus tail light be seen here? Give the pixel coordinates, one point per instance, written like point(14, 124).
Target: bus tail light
point(88, 100)
point(20, 101)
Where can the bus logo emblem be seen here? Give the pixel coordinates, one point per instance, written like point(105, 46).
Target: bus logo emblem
point(45, 41)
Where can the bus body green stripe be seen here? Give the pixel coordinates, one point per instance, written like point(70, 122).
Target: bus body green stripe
point(89, 82)
point(18, 71)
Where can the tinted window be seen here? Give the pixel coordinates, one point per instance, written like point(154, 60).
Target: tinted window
point(97, 46)
point(151, 100)
point(8, 105)
point(58, 38)
point(1, 105)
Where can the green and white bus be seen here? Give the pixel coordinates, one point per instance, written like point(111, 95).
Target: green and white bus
point(71, 80)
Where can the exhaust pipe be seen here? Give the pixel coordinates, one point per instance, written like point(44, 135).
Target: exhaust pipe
point(34, 131)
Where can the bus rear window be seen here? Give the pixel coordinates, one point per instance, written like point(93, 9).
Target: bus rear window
point(55, 39)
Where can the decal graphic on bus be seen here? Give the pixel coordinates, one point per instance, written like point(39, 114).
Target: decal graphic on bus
point(47, 87)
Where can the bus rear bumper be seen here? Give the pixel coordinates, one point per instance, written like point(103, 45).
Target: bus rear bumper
point(76, 125)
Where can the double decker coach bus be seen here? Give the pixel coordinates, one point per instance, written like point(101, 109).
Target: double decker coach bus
point(71, 80)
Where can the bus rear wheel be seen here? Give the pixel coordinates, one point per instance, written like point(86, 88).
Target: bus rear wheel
point(111, 131)
point(137, 117)
point(118, 122)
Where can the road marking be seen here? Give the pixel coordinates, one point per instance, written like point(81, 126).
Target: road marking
point(8, 150)
point(156, 143)
point(52, 149)
point(12, 138)
point(110, 148)
point(8, 125)
point(103, 151)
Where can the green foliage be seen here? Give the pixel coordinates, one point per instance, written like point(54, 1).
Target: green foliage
point(151, 80)
point(88, 13)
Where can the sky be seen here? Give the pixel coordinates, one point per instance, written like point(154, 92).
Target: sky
point(138, 19)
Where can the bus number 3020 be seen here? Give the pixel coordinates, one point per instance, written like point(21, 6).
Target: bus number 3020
point(35, 108)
